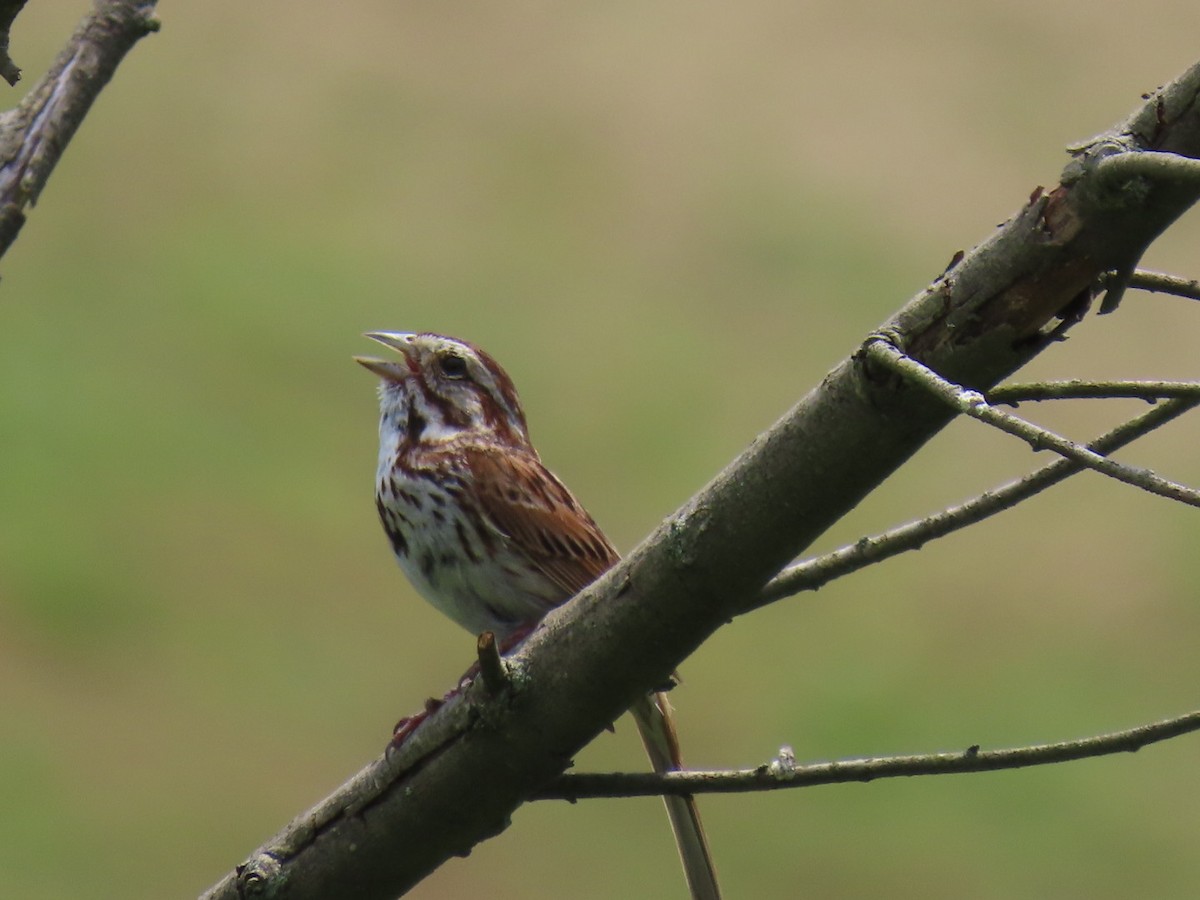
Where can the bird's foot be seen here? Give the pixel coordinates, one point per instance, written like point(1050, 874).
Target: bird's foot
point(406, 726)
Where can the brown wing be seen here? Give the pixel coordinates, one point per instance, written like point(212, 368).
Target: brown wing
point(540, 517)
point(543, 521)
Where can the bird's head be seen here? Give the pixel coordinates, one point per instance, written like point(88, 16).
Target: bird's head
point(441, 388)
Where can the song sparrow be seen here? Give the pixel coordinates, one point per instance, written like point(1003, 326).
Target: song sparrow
point(488, 534)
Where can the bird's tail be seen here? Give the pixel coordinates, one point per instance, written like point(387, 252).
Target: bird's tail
point(657, 729)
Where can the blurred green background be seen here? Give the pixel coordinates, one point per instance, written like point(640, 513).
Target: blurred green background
point(667, 220)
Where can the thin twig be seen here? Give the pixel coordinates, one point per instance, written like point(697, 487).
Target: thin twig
point(1075, 389)
point(819, 571)
point(783, 773)
point(973, 404)
point(1160, 282)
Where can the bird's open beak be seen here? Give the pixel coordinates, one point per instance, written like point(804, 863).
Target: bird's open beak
point(391, 370)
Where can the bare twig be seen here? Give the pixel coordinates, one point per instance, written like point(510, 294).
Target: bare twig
point(819, 571)
point(1160, 282)
point(1076, 389)
point(973, 404)
point(783, 773)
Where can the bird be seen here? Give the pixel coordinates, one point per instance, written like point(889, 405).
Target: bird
point(486, 533)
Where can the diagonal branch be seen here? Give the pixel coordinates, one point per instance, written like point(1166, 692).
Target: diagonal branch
point(1159, 282)
point(462, 774)
point(815, 573)
point(973, 404)
point(784, 773)
point(34, 135)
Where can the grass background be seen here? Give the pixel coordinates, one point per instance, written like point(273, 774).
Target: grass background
point(668, 220)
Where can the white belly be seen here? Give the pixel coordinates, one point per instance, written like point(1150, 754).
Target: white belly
point(477, 579)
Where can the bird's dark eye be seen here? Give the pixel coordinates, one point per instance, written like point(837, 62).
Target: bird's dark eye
point(453, 365)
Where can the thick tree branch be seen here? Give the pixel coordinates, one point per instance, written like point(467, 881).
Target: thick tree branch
point(784, 773)
point(34, 135)
point(460, 776)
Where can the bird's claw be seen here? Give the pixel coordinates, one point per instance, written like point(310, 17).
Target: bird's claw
point(406, 726)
